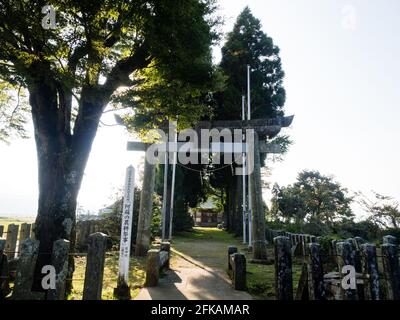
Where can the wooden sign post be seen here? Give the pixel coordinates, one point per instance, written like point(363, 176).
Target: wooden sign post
point(123, 291)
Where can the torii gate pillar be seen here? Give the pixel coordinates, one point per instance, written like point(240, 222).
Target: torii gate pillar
point(258, 244)
point(143, 236)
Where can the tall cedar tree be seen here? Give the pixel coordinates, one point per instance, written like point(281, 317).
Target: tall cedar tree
point(246, 45)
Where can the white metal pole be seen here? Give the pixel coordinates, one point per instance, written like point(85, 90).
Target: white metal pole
point(244, 181)
point(248, 93)
point(171, 214)
point(249, 192)
point(164, 203)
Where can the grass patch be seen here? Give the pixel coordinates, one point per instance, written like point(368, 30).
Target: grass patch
point(137, 276)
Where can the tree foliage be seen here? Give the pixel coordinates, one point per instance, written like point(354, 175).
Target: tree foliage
point(313, 197)
point(13, 112)
point(247, 44)
point(74, 70)
point(383, 210)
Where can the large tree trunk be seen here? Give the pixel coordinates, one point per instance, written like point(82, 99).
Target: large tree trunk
point(62, 159)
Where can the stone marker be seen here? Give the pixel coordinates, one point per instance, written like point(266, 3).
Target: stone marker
point(231, 250)
point(11, 240)
point(2, 245)
point(345, 256)
point(302, 287)
point(95, 266)
point(283, 269)
point(333, 251)
point(304, 247)
point(59, 260)
point(358, 241)
point(24, 233)
point(152, 268)
point(239, 271)
point(390, 239)
point(33, 231)
point(4, 282)
point(391, 271)
point(370, 272)
point(316, 290)
point(26, 267)
point(356, 251)
point(83, 231)
point(166, 247)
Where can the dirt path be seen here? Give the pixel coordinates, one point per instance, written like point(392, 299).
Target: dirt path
point(197, 273)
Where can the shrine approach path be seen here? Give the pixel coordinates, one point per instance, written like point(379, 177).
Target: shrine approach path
point(197, 269)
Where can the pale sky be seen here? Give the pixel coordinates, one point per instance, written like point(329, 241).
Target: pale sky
point(341, 60)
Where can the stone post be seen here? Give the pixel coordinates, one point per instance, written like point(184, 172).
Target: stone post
point(59, 260)
point(283, 269)
point(231, 250)
point(11, 240)
point(304, 245)
point(24, 233)
point(390, 240)
point(316, 290)
point(33, 231)
point(391, 271)
point(145, 210)
point(4, 282)
point(25, 270)
point(152, 268)
point(239, 271)
point(95, 266)
point(166, 246)
point(333, 251)
point(345, 257)
point(370, 272)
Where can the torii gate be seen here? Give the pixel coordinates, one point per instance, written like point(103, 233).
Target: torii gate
point(262, 127)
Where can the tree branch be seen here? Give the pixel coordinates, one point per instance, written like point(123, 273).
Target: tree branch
point(119, 75)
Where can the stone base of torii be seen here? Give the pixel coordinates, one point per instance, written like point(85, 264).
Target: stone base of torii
point(263, 128)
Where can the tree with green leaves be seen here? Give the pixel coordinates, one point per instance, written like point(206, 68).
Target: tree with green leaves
point(384, 211)
point(73, 71)
point(246, 44)
point(13, 112)
point(313, 197)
